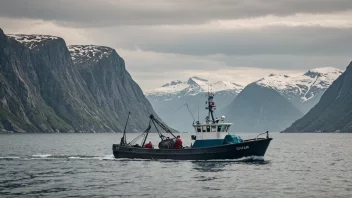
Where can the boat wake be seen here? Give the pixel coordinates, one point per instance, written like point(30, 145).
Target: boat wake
point(57, 157)
point(251, 159)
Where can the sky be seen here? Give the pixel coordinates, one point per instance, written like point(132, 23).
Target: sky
point(163, 40)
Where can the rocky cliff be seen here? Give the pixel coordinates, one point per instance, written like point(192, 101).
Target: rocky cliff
point(43, 90)
point(112, 87)
point(333, 113)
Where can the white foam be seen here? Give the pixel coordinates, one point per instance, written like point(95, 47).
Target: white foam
point(42, 155)
point(108, 157)
point(10, 157)
point(72, 157)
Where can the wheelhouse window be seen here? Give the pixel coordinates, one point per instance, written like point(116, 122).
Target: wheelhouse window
point(222, 128)
point(204, 129)
point(208, 128)
point(213, 128)
point(199, 129)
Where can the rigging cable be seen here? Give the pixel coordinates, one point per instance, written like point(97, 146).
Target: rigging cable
point(189, 110)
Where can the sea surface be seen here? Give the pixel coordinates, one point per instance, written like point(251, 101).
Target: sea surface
point(82, 165)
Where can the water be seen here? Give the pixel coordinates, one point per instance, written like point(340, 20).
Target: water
point(64, 165)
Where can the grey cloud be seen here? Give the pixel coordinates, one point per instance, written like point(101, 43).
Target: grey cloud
point(280, 41)
point(153, 73)
point(303, 41)
point(287, 62)
point(89, 13)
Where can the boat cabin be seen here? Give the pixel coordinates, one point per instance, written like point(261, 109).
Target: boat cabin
point(213, 132)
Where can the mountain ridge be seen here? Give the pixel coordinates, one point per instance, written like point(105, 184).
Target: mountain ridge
point(176, 86)
point(303, 91)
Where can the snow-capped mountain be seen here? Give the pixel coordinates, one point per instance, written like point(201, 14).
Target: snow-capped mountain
point(303, 91)
point(192, 87)
point(169, 99)
point(275, 102)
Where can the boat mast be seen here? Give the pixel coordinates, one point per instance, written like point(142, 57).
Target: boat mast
point(147, 133)
point(211, 104)
point(210, 107)
point(198, 113)
point(123, 139)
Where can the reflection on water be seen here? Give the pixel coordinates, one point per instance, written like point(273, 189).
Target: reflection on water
point(220, 165)
point(205, 166)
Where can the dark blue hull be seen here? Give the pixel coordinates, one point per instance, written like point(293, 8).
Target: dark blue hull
point(253, 147)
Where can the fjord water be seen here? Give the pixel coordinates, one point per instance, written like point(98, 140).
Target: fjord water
point(62, 165)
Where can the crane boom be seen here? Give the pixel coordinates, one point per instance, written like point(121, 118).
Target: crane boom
point(165, 128)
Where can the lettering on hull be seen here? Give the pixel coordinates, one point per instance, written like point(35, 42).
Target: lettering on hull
point(242, 148)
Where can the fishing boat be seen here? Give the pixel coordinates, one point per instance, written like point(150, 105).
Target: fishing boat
point(213, 140)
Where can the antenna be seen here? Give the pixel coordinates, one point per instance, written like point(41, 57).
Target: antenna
point(211, 86)
point(198, 110)
point(208, 84)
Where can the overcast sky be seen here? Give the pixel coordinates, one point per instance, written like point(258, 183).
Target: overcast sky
point(163, 40)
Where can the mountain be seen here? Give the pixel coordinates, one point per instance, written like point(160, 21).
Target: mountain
point(303, 91)
point(170, 99)
point(258, 109)
point(334, 110)
point(44, 89)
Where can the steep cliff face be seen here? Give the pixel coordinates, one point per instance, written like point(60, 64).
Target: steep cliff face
point(107, 79)
point(64, 90)
point(334, 110)
point(22, 108)
point(42, 90)
point(259, 108)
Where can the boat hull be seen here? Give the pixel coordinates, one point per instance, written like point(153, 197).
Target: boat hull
point(255, 147)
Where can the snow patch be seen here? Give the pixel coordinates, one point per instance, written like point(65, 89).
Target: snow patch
point(82, 53)
point(32, 40)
